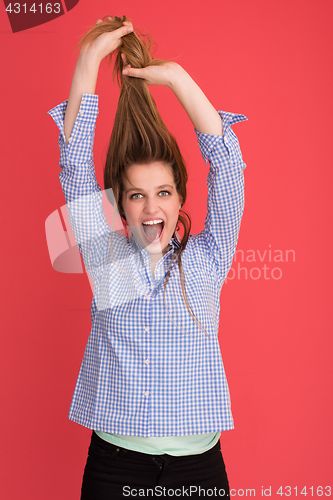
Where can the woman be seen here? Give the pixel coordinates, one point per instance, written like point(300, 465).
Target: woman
point(152, 384)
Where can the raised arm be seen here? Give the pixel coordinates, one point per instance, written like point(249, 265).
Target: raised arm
point(219, 146)
point(76, 122)
point(86, 71)
point(203, 115)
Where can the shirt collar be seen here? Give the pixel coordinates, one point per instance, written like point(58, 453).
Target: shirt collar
point(142, 255)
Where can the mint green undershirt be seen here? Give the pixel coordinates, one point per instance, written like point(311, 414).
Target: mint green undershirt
point(172, 445)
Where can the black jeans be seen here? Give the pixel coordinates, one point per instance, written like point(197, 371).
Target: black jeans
point(113, 473)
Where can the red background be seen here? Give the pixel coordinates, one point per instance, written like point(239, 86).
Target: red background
point(269, 60)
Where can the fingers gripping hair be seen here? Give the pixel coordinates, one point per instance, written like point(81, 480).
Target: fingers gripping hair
point(137, 49)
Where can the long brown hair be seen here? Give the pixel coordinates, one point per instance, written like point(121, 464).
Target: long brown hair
point(139, 135)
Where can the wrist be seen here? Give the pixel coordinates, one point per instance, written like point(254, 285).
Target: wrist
point(86, 72)
point(88, 60)
point(178, 78)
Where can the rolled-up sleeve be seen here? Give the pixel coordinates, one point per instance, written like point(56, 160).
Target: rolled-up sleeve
point(80, 187)
point(225, 202)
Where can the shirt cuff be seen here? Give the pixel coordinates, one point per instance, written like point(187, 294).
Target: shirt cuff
point(207, 142)
point(84, 122)
point(88, 111)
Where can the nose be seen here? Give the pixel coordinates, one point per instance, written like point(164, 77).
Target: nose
point(151, 206)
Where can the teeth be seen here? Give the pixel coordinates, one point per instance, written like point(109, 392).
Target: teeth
point(151, 222)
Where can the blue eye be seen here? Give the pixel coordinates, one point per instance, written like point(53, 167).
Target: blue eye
point(164, 193)
point(136, 196)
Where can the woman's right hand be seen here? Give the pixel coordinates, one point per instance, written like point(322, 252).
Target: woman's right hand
point(105, 43)
point(86, 71)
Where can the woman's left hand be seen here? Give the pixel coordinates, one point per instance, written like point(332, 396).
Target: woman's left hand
point(200, 111)
point(163, 74)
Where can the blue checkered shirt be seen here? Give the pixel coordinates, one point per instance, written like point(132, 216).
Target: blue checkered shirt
point(148, 369)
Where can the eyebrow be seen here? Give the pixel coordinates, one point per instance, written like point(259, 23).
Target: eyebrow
point(157, 188)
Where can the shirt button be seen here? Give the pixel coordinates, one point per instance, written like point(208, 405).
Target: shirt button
point(147, 329)
point(147, 297)
point(146, 394)
point(147, 362)
point(83, 101)
point(70, 139)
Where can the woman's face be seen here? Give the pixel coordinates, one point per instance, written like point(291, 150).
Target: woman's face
point(151, 204)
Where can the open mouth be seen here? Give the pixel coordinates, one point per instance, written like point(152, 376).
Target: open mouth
point(153, 230)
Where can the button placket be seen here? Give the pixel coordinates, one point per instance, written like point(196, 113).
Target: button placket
point(149, 293)
point(146, 356)
point(146, 393)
